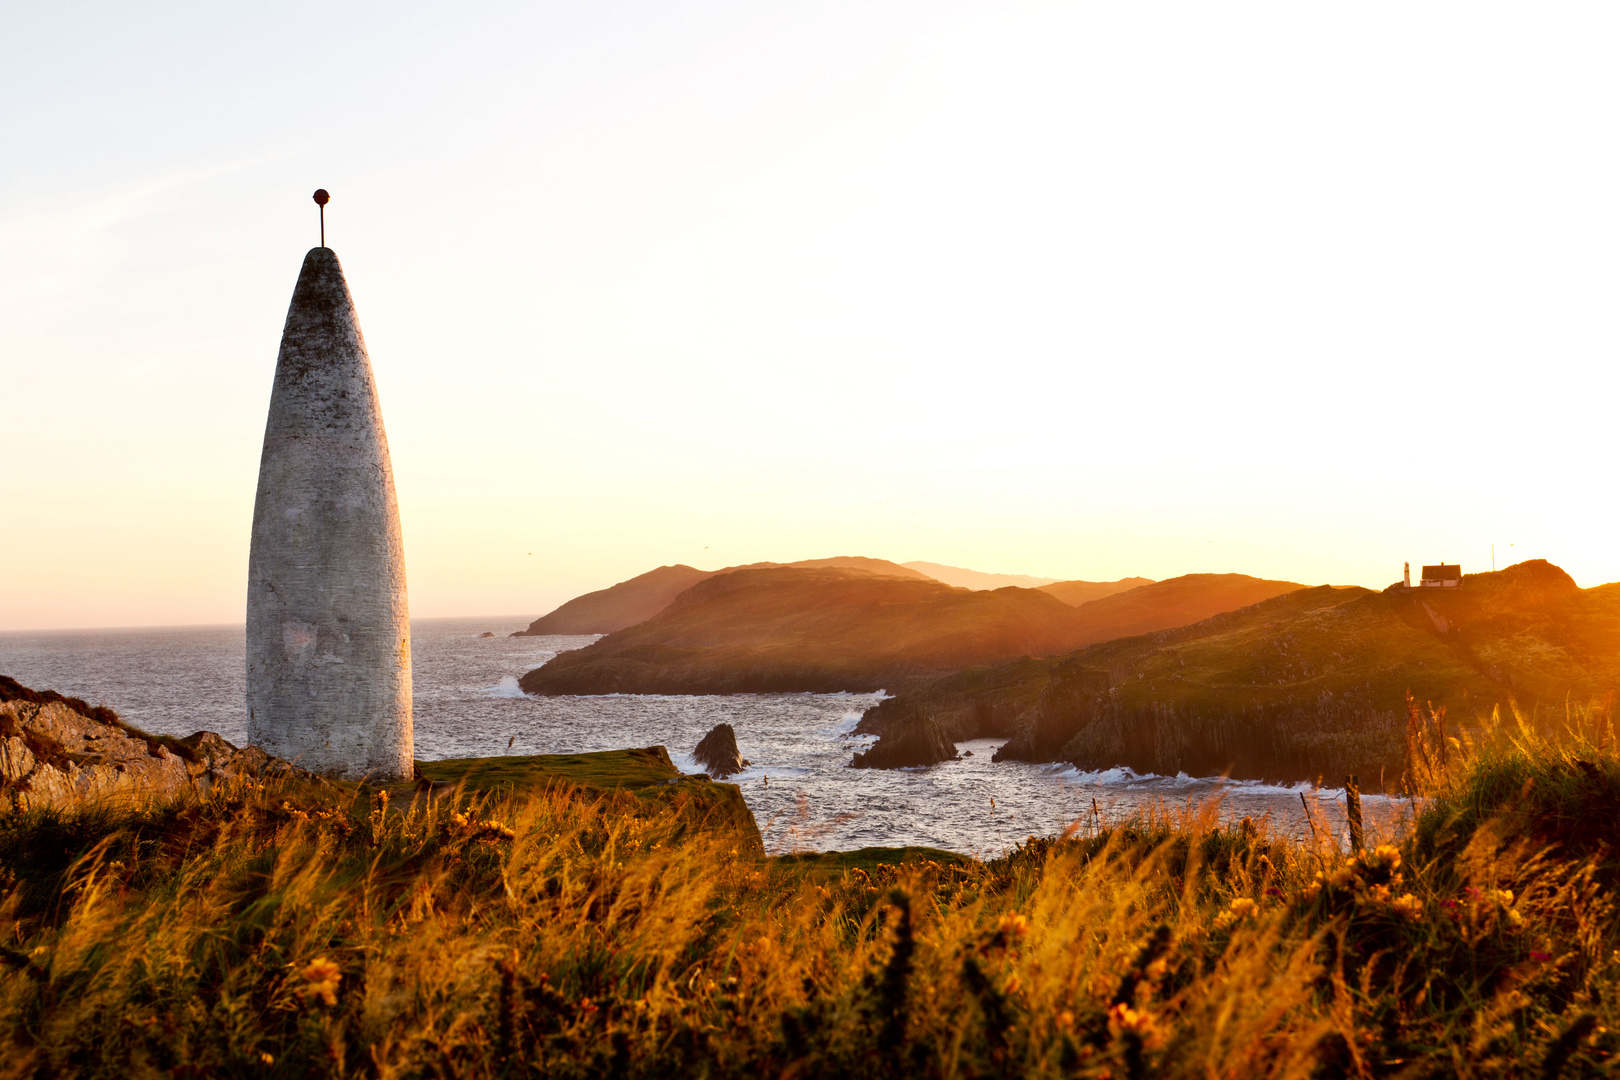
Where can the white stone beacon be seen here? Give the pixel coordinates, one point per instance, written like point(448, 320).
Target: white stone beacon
point(328, 627)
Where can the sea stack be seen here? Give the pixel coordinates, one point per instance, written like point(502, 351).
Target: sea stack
point(328, 630)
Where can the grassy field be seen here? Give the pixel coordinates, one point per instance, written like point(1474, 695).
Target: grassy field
point(551, 922)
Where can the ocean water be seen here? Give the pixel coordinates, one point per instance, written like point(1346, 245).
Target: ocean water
point(177, 680)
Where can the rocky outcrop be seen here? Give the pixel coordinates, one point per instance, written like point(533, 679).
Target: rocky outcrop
point(718, 753)
point(1067, 705)
point(917, 741)
point(57, 753)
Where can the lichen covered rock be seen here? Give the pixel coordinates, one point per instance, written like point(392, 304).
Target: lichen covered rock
point(56, 752)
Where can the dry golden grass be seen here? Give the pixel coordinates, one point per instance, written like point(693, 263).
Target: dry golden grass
point(290, 930)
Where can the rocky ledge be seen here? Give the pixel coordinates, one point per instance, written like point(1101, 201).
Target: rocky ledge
point(718, 753)
point(57, 752)
point(916, 740)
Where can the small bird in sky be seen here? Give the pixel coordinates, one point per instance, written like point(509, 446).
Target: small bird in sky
point(510, 741)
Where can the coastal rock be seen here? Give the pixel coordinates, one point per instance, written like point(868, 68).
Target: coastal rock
point(57, 752)
point(1067, 705)
point(718, 753)
point(916, 741)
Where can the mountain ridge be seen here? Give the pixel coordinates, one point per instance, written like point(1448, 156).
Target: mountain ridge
point(637, 599)
point(790, 629)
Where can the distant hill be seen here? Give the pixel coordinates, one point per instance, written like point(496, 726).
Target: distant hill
point(976, 580)
point(1310, 682)
point(1075, 593)
point(643, 596)
point(1175, 602)
point(795, 629)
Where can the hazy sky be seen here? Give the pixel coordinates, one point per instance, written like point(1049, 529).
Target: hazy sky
point(1075, 290)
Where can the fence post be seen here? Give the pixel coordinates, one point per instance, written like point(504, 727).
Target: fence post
point(1352, 803)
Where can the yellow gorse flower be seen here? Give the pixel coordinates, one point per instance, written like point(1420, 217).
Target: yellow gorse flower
point(1384, 857)
point(321, 980)
point(1408, 905)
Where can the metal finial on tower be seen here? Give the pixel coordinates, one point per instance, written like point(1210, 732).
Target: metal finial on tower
point(321, 199)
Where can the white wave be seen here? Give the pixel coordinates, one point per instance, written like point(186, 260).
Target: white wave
point(1123, 776)
point(507, 688)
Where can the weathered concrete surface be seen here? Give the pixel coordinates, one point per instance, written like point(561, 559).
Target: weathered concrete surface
point(53, 756)
point(328, 632)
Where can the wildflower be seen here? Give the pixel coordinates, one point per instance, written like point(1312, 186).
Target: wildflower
point(266, 1057)
point(321, 979)
point(1124, 1020)
point(1242, 908)
point(1408, 905)
point(1065, 1019)
point(1013, 925)
point(495, 830)
point(458, 819)
point(1385, 857)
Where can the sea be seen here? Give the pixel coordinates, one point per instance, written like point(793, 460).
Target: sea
point(179, 680)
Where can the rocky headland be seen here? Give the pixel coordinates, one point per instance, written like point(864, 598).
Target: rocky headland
point(1314, 682)
point(787, 629)
point(916, 742)
point(640, 598)
point(792, 629)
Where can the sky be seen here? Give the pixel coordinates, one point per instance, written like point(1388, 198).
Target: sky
point(1073, 290)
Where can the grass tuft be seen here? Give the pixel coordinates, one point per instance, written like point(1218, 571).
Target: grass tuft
point(289, 928)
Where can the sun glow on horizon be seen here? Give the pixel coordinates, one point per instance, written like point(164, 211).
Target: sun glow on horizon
point(1073, 293)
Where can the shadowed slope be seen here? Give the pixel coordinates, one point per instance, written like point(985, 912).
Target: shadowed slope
point(1310, 682)
point(1174, 602)
point(642, 597)
point(788, 629)
point(963, 578)
point(621, 605)
point(1075, 593)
